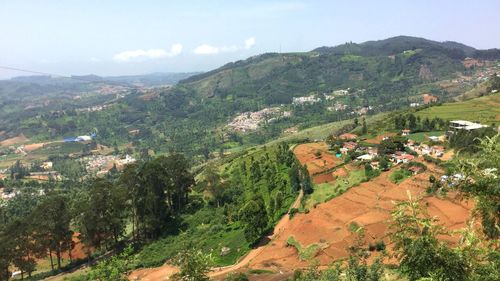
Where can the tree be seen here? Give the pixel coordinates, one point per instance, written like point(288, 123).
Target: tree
point(102, 211)
point(6, 248)
point(384, 164)
point(419, 252)
point(25, 248)
point(392, 144)
point(412, 122)
point(194, 265)
point(254, 216)
point(305, 181)
point(364, 129)
point(51, 222)
point(161, 192)
point(214, 185)
point(481, 173)
point(113, 268)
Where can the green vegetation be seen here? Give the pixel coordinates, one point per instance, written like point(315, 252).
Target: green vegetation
point(422, 136)
point(190, 118)
point(219, 197)
point(326, 191)
point(484, 110)
point(306, 253)
point(399, 175)
point(266, 177)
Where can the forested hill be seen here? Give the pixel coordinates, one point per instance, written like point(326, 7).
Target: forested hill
point(393, 64)
point(209, 114)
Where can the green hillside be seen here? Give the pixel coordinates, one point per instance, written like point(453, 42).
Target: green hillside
point(192, 117)
point(485, 110)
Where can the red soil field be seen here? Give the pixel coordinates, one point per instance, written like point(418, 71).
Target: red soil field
point(305, 155)
point(15, 140)
point(368, 205)
point(378, 139)
point(322, 178)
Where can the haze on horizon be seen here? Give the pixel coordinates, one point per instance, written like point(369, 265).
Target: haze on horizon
point(136, 37)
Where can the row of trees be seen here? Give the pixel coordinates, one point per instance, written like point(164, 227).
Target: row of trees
point(416, 123)
point(34, 225)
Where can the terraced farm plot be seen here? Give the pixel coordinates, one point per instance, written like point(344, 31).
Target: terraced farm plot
point(367, 205)
point(307, 155)
point(484, 109)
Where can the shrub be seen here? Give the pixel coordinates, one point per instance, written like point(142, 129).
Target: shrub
point(292, 212)
point(237, 277)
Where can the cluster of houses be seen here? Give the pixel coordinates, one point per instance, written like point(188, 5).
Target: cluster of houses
point(337, 107)
point(425, 149)
point(305, 100)
point(250, 121)
point(484, 71)
point(101, 164)
point(94, 108)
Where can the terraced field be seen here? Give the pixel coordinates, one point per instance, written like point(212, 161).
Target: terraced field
point(484, 109)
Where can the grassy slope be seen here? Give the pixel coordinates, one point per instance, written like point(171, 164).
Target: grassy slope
point(484, 109)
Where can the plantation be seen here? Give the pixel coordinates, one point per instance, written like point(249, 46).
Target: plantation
point(485, 110)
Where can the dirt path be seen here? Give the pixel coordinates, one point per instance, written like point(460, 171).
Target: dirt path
point(162, 273)
point(278, 230)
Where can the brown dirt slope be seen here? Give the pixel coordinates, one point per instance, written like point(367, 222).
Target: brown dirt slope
point(368, 205)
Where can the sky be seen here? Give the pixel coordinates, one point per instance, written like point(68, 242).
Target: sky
point(123, 37)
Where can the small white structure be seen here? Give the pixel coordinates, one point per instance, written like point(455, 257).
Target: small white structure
point(465, 125)
point(433, 138)
point(83, 138)
point(365, 157)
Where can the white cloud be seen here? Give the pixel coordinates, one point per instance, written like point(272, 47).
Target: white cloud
point(175, 50)
point(206, 49)
point(140, 54)
point(249, 43)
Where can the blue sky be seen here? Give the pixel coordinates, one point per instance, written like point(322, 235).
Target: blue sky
point(116, 37)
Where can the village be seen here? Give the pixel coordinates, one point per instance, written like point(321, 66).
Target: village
point(99, 162)
point(251, 121)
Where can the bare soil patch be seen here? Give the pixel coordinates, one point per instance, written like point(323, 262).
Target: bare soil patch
point(368, 205)
point(378, 139)
point(15, 140)
point(305, 153)
point(322, 178)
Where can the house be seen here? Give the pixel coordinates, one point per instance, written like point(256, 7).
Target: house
point(428, 98)
point(402, 158)
point(465, 125)
point(47, 165)
point(438, 150)
point(348, 136)
point(365, 157)
point(375, 165)
point(134, 132)
point(349, 145)
point(405, 132)
point(416, 169)
point(372, 151)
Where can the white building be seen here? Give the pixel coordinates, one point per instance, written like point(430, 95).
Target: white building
point(465, 125)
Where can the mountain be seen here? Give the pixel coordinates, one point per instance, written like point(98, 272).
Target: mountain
point(274, 78)
point(193, 116)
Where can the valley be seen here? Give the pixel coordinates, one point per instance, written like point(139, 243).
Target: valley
point(355, 158)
